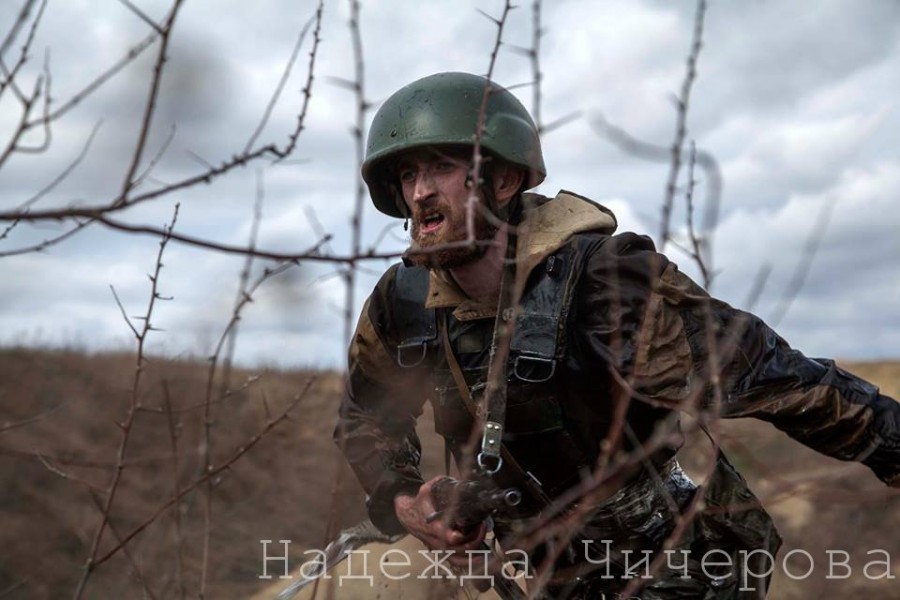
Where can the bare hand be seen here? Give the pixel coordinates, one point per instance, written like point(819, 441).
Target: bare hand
point(414, 512)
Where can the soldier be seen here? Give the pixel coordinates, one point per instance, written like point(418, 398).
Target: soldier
point(609, 343)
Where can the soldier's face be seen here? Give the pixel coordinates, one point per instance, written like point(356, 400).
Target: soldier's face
point(436, 189)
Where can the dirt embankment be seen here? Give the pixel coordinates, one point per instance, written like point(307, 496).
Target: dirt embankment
point(293, 483)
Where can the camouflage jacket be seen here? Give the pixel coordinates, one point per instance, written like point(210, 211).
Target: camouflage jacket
point(635, 336)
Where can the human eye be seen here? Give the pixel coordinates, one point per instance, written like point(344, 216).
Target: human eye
point(407, 175)
point(445, 166)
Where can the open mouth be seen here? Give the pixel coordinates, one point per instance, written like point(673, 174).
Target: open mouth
point(431, 222)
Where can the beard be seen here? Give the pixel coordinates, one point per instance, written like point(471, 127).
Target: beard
point(426, 249)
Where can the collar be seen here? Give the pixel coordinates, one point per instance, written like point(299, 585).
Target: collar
point(546, 227)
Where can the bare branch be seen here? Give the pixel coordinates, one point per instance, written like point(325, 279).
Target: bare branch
point(123, 201)
point(16, 424)
point(228, 395)
point(307, 89)
point(477, 159)
point(699, 248)
point(535, 54)
point(561, 121)
point(173, 426)
point(150, 109)
point(156, 158)
point(13, 588)
point(124, 313)
point(280, 87)
point(134, 52)
point(45, 243)
point(13, 32)
point(358, 87)
point(228, 339)
point(139, 576)
point(712, 176)
point(142, 16)
point(128, 423)
point(206, 476)
point(801, 272)
point(65, 172)
point(682, 103)
point(317, 228)
point(56, 471)
point(27, 105)
point(759, 283)
point(10, 74)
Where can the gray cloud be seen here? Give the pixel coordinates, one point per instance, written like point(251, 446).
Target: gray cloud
point(795, 104)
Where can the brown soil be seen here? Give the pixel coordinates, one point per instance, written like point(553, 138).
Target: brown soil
point(294, 482)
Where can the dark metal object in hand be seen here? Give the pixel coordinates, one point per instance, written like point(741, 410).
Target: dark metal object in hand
point(469, 503)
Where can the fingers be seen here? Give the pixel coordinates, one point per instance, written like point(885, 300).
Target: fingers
point(416, 515)
point(463, 541)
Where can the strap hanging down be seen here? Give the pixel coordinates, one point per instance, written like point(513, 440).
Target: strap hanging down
point(489, 458)
point(533, 488)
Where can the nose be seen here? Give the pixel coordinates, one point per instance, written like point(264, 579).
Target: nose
point(424, 187)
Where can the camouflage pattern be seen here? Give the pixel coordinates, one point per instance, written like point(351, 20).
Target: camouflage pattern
point(639, 337)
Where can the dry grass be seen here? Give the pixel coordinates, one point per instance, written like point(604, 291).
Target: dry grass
point(284, 487)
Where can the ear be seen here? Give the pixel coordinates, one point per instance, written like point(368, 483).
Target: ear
point(507, 180)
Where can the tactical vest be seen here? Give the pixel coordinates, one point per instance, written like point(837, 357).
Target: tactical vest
point(538, 432)
point(541, 433)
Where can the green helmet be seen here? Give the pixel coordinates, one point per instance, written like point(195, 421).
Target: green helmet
point(444, 109)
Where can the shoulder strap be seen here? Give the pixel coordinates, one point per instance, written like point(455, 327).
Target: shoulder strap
point(538, 339)
point(529, 483)
point(415, 324)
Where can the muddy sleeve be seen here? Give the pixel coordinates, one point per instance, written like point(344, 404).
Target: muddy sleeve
point(377, 418)
point(759, 375)
point(674, 346)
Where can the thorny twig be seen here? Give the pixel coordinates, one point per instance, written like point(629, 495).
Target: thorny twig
point(16, 424)
point(801, 271)
point(57, 471)
point(362, 107)
point(156, 158)
point(647, 151)
point(534, 53)
point(13, 32)
point(138, 574)
point(472, 201)
point(9, 75)
point(682, 102)
point(228, 340)
point(558, 523)
point(142, 16)
point(174, 426)
point(698, 244)
point(43, 245)
point(65, 172)
point(206, 476)
point(128, 423)
point(312, 254)
point(126, 199)
point(183, 409)
point(280, 87)
point(128, 184)
point(710, 418)
point(13, 587)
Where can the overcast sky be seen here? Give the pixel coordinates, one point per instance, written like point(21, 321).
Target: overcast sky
point(798, 107)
